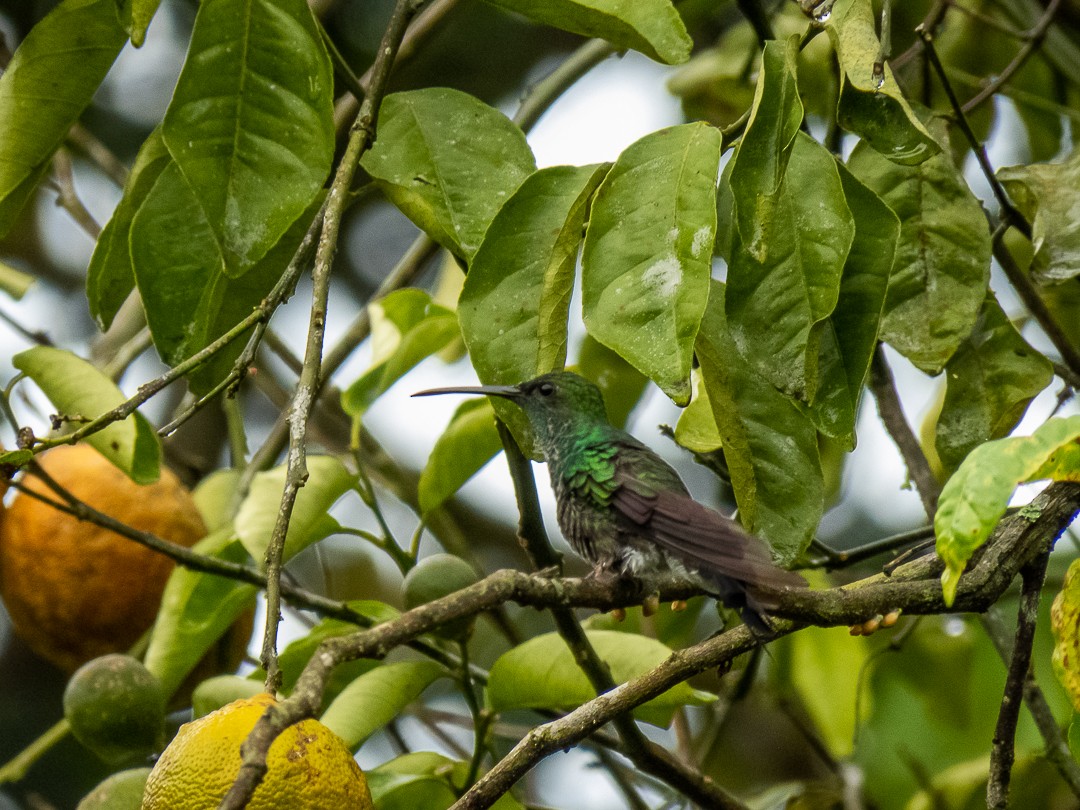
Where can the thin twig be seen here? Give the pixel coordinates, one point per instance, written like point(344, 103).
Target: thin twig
point(892, 415)
point(1033, 39)
point(1028, 293)
point(1008, 210)
point(361, 136)
point(68, 199)
point(1002, 752)
point(1057, 746)
point(88, 143)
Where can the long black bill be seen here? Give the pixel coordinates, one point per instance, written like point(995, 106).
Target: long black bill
point(506, 391)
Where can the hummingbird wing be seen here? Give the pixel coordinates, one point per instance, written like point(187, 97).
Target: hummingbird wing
point(663, 511)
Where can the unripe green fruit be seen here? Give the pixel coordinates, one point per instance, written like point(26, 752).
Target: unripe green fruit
point(121, 791)
point(435, 577)
point(116, 708)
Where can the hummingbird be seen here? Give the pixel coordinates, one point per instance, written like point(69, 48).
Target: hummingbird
point(626, 510)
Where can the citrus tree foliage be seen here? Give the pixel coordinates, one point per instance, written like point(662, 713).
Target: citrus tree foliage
point(827, 208)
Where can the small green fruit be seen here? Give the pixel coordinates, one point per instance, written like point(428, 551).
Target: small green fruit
point(121, 791)
point(435, 577)
point(116, 708)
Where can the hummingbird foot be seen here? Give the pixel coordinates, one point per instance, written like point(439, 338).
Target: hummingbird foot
point(678, 606)
point(650, 604)
point(875, 623)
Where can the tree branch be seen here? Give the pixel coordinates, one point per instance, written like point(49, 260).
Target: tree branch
point(892, 415)
point(915, 588)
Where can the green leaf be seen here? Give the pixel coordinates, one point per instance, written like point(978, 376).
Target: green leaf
point(770, 446)
point(175, 257)
point(992, 378)
point(780, 294)
point(824, 665)
point(327, 481)
point(16, 458)
point(942, 264)
point(516, 299)
point(653, 27)
point(541, 674)
point(449, 162)
point(469, 442)
point(377, 697)
point(296, 655)
point(251, 121)
point(849, 336)
point(196, 610)
point(696, 429)
point(188, 298)
point(135, 16)
point(1065, 622)
point(975, 498)
point(14, 282)
point(226, 301)
point(423, 780)
point(80, 391)
point(221, 690)
point(51, 79)
point(757, 168)
point(214, 496)
point(871, 103)
point(406, 327)
point(1048, 195)
point(110, 278)
point(648, 252)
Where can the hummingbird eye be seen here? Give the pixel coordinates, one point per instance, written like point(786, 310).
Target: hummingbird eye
point(546, 389)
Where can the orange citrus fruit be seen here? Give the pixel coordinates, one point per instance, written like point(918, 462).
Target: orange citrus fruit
point(74, 590)
point(308, 767)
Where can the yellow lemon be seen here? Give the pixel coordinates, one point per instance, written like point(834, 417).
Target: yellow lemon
point(308, 767)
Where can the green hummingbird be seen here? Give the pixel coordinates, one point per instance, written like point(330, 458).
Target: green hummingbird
point(625, 509)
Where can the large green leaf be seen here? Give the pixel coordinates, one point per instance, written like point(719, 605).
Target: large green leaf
point(251, 121)
point(942, 263)
point(196, 610)
point(756, 171)
point(541, 674)
point(850, 333)
point(449, 162)
point(653, 27)
point(51, 79)
point(377, 697)
point(406, 327)
point(871, 103)
point(975, 498)
point(175, 258)
point(516, 299)
point(825, 666)
point(1048, 194)
point(991, 379)
point(469, 442)
point(779, 295)
point(181, 275)
point(327, 481)
point(648, 252)
point(110, 278)
point(81, 392)
point(770, 446)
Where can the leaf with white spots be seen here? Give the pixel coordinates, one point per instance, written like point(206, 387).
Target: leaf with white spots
point(449, 162)
point(781, 292)
point(647, 258)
